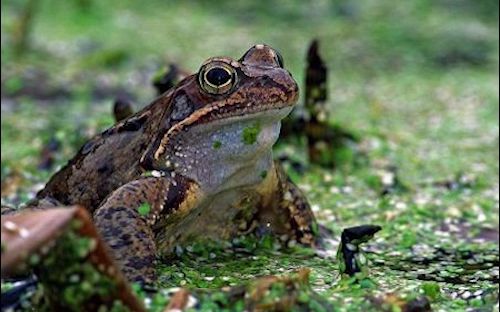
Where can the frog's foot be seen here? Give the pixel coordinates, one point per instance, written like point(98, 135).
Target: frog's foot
point(301, 222)
point(124, 220)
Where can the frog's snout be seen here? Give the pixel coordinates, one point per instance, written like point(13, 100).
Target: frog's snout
point(265, 58)
point(262, 55)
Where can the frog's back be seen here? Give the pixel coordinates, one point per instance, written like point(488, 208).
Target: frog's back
point(105, 162)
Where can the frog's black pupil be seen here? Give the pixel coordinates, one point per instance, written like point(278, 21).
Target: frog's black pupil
point(218, 76)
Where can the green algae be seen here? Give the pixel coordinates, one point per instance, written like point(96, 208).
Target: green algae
point(217, 144)
point(432, 290)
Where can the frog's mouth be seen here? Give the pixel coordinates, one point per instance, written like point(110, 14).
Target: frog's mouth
point(249, 134)
point(273, 113)
point(240, 110)
point(240, 136)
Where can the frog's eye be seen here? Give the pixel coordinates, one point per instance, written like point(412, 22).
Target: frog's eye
point(217, 78)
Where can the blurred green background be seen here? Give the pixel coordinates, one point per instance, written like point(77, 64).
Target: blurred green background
point(392, 66)
point(416, 80)
point(367, 35)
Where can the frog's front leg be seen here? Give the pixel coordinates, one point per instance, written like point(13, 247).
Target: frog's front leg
point(294, 205)
point(125, 221)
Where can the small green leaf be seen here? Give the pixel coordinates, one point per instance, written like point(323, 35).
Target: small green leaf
point(249, 135)
point(408, 240)
point(315, 228)
point(14, 84)
point(263, 174)
point(432, 290)
point(217, 144)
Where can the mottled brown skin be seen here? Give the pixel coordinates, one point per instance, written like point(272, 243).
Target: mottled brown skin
point(208, 182)
point(105, 162)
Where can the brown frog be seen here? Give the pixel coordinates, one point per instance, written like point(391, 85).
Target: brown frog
point(197, 163)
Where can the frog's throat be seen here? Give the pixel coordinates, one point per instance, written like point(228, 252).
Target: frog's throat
point(228, 153)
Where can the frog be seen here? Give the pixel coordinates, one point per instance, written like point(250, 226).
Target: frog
point(195, 164)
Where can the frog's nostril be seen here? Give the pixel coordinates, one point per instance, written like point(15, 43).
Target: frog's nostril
point(279, 59)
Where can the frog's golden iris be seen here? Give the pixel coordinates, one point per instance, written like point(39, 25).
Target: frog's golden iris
point(217, 78)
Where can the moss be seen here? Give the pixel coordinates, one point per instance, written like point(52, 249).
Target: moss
point(250, 134)
point(289, 292)
point(68, 280)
